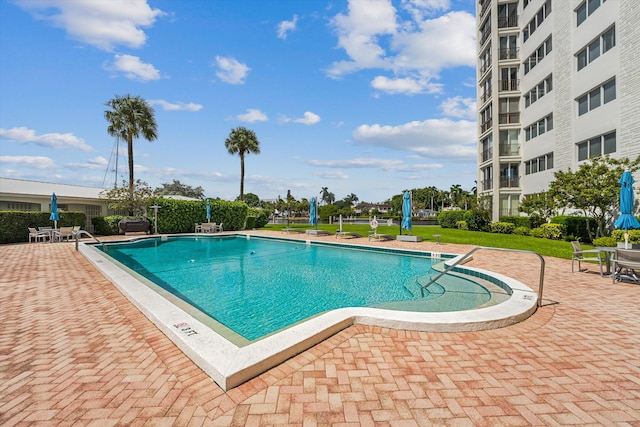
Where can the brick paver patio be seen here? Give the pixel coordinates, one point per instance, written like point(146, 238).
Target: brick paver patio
point(74, 351)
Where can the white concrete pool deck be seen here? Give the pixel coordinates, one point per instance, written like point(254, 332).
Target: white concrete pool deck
point(230, 365)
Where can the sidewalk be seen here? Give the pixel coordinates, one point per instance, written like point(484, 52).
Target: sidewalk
point(73, 350)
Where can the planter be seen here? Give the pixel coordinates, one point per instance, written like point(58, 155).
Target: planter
point(621, 245)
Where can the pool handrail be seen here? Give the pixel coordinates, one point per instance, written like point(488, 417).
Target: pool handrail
point(477, 248)
point(79, 232)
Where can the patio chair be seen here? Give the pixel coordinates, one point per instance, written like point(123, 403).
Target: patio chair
point(373, 234)
point(588, 255)
point(626, 265)
point(37, 235)
point(64, 233)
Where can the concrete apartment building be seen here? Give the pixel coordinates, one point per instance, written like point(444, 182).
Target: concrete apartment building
point(558, 83)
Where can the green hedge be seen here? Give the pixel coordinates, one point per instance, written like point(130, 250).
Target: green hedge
point(575, 226)
point(520, 221)
point(14, 225)
point(503, 227)
point(449, 219)
point(106, 225)
point(261, 217)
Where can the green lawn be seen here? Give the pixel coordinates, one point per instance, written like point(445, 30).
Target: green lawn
point(554, 248)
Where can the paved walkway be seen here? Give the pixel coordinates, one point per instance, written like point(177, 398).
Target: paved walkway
point(74, 351)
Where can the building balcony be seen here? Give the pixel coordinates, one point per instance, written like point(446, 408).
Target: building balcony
point(484, 7)
point(509, 149)
point(485, 126)
point(487, 155)
point(485, 35)
point(485, 96)
point(509, 118)
point(510, 182)
point(487, 184)
point(486, 66)
point(508, 53)
point(507, 85)
point(508, 21)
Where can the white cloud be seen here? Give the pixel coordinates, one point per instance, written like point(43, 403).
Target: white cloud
point(97, 163)
point(413, 50)
point(331, 174)
point(176, 106)
point(433, 138)
point(308, 119)
point(53, 140)
point(388, 165)
point(459, 107)
point(38, 162)
point(231, 71)
point(103, 24)
point(133, 68)
point(286, 26)
point(252, 115)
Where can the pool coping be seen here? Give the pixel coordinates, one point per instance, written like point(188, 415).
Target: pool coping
point(230, 365)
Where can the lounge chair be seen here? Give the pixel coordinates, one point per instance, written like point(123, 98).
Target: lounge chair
point(38, 235)
point(198, 228)
point(64, 233)
point(588, 255)
point(345, 234)
point(315, 232)
point(626, 265)
point(373, 234)
point(219, 228)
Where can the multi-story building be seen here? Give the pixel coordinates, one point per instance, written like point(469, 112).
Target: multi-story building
point(558, 83)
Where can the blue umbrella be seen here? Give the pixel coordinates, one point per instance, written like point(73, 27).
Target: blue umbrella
point(54, 210)
point(208, 211)
point(406, 211)
point(313, 216)
point(626, 220)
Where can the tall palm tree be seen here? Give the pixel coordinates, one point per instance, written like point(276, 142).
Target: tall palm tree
point(325, 194)
point(242, 141)
point(129, 118)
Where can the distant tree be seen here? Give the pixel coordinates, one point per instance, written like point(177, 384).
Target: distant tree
point(119, 198)
point(129, 118)
point(539, 205)
point(351, 199)
point(324, 195)
point(593, 189)
point(251, 200)
point(242, 141)
point(331, 198)
point(180, 189)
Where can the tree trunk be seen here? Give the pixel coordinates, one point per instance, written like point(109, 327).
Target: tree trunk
point(130, 155)
point(241, 177)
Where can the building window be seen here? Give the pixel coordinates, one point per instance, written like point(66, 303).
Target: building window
point(543, 50)
point(486, 118)
point(509, 110)
point(509, 175)
point(537, 20)
point(539, 127)
point(487, 148)
point(485, 60)
point(539, 164)
point(487, 178)
point(585, 9)
point(596, 97)
point(538, 91)
point(509, 145)
point(605, 42)
point(508, 15)
point(597, 146)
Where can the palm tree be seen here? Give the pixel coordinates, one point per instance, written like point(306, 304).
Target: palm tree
point(242, 141)
point(325, 194)
point(129, 118)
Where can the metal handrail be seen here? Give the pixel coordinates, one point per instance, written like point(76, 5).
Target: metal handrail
point(77, 233)
point(468, 254)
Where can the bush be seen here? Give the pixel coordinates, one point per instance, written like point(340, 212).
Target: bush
point(605, 241)
point(449, 219)
point(14, 225)
point(262, 217)
point(576, 226)
point(518, 221)
point(251, 223)
point(537, 232)
point(477, 219)
point(462, 225)
point(552, 231)
point(502, 227)
point(522, 231)
point(634, 236)
point(106, 225)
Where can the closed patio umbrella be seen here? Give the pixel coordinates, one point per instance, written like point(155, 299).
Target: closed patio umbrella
point(313, 215)
point(406, 211)
point(208, 211)
point(54, 210)
point(626, 221)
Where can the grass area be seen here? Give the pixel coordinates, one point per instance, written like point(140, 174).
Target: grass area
point(546, 247)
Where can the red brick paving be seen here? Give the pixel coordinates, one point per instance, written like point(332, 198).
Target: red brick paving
point(74, 351)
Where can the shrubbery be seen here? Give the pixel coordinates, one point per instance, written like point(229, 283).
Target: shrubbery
point(605, 241)
point(477, 219)
point(552, 231)
point(575, 226)
point(634, 236)
point(14, 225)
point(462, 225)
point(502, 227)
point(449, 219)
point(522, 231)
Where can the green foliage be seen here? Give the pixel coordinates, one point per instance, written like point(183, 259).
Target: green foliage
point(14, 225)
point(449, 219)
point(121, 199)
point(523, 221)
point(180, 189)
point(478, 219)
point(462, 225)
point(537, 232)
point(634, 236)
point(242, 141)
point(552, 231)
point(522, 231)
point(605, 241)
point(180, 216)
point(502, 227)
point(106, 225)
point(576, 226)
point(540, 206)
point(251, 223)
point(251, 200)
point(261, 216)
point(325, 211)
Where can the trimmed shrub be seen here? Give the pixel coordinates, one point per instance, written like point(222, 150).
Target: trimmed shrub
point(575, 226)
point(518, 221)
point(605, 241)
point(462, 225)
point(262, 217)
point(552, 231)
point(522, 231)
point(537, 232)
point(449, 219)
point(478, 219)
point(14, 225)
point(502, 227)
point(106, 225)
point(634, 236)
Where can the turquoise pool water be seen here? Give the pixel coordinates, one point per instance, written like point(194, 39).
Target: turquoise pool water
point(257, 286)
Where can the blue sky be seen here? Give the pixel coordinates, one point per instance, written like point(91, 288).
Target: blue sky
point(369, 97)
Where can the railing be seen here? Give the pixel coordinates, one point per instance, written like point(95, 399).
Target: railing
point(509, 149)
point(508, 53)
point(485, 96)
point(507, 118)
point(511, 84)
point(487, 154)
point(468, 254)
point(485, 66)
point(509, 182)
point(486, 125)
point(485, 35)
point(487, 184)
point(507, 21)
point(484, 6)
point(79, 232)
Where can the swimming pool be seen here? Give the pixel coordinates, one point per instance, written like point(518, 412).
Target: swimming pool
point(258, 286)
point(231, 359)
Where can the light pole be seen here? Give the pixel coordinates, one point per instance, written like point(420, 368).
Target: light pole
point(155, 218)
